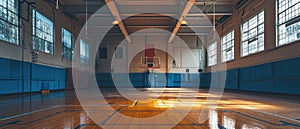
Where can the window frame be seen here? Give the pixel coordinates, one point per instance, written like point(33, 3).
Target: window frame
point(87, 52)
point(65, 47)
point(8, 23)
point(100, 54)
point(291, 21)
point(117, 51)
point(255, 38)
point(215, 56)
point(34, 34)
point(230, 42)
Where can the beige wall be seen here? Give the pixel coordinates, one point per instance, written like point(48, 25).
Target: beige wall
point(271, 52)
point(187, 56)
point(11, 51)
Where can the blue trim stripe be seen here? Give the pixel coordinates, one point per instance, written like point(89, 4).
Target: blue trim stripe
point(275, 77)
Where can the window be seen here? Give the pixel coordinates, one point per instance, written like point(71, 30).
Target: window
point(118, 52)
point(288, 21)
point(228, 47)
point(68, 43)
point(84, 52)
point(103, 52)
point(9, 21)
point(253, 35)
point(212, 54)
point(43, 33)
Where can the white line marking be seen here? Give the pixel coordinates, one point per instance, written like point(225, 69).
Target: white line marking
point(57, 106)
point(276, 115)
point(28, 113)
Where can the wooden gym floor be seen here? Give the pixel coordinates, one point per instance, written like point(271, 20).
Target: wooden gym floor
point(239, 110)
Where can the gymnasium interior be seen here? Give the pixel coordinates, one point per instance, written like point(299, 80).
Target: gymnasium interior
point(144, 64)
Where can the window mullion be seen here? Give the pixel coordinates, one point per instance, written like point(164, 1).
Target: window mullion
point(257, 33)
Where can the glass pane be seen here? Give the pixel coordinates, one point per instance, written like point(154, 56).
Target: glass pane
point(253, 36)
point(212, 54)
point(42, 33)
point(288, 10)
point(119, 53)
point(228, 47)
point(84, 52)
point(103, 52)
point(67, 43)
point(9, 23)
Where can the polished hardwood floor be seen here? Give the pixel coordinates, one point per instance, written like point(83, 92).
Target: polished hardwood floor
point(235, 110)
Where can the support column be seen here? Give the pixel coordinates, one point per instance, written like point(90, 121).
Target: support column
point(270, 24)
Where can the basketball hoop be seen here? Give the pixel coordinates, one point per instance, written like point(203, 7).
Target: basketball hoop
point(150, 62)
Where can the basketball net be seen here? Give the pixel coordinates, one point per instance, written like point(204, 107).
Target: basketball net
point(150, 69)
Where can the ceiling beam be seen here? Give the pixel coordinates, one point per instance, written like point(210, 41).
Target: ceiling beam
point(158, 26)
point(130, 10)
point(171, 2)
point(185, 11)
point(152, 33)
point(191, 15)
point(218, 2)
point(115, 12)
point(149, 2)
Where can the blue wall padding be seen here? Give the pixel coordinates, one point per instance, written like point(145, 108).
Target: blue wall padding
point(275, 77)
point(42, 77)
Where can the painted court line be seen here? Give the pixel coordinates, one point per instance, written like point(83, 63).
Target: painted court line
point(276, 115)
point(10, 123)
point(57, 106)
point(273, 114)
point(27, 113)
point(109, 117)
point(260, 98)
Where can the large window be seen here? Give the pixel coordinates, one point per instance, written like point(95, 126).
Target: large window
point(118, 52)
point(288, 21)
point(253, 35)
point(212, 54)
point(43, 33)
point(9, 21)
point(84, 52)
point(228, 47)
point(103, 52)
point(68, 43)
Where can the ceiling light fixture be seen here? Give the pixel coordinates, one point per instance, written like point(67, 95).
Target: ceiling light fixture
point(184, 22)
point(115, 22)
